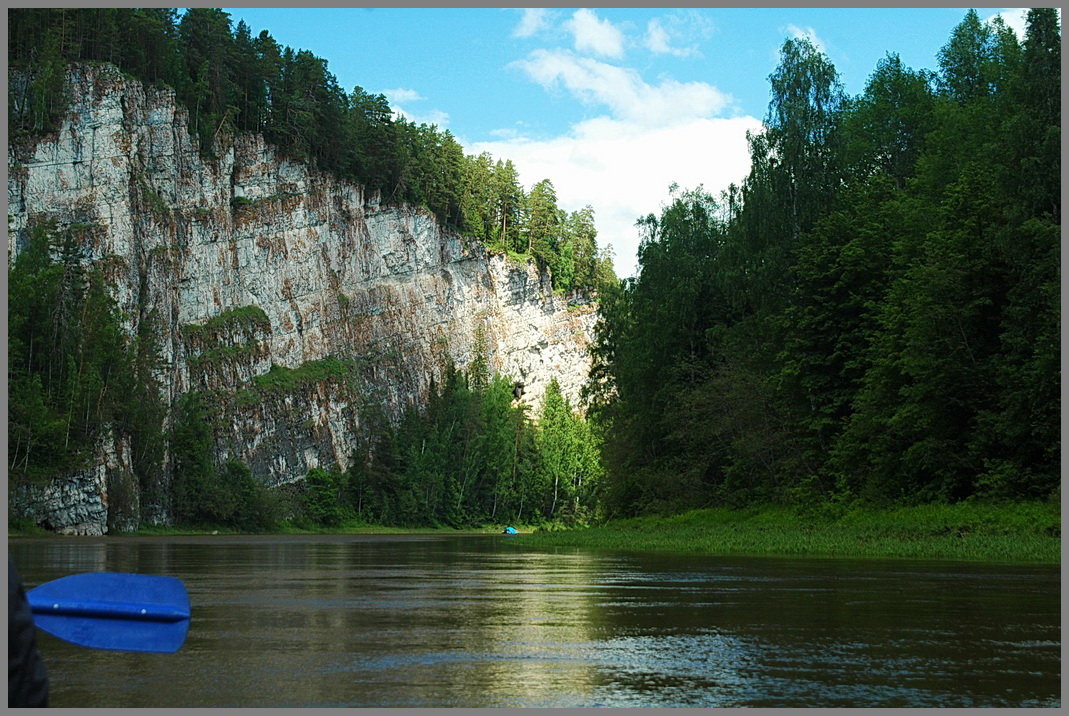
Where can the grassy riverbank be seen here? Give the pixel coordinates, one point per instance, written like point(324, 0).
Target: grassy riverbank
point(346, 528)
point(25, 529)
point(1017, 533)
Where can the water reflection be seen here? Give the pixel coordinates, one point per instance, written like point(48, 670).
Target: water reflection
point(478, 621)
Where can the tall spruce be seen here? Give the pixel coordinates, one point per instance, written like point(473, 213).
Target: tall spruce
point(876, 316)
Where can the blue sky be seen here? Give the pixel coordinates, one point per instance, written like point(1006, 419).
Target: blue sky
point(611, 104)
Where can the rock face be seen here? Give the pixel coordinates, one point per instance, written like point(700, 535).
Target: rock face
point(251, 261)
point(79, 503)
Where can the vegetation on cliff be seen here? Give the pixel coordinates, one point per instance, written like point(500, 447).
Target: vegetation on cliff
point(73, 373)
point(873, 315)
point(232, 82)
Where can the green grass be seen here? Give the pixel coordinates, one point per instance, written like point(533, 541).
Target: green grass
point(154, 201)
point(1016, 533)
point(164, 531)
point(1022, 533)
point(203, 338)
point(245, 317)
point(356, 527)
point(281, 379)
point(24, 528)
point(224, 354)
point(242, 202)
point(20, 527)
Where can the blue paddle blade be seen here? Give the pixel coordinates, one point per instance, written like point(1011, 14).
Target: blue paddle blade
point(111, 610)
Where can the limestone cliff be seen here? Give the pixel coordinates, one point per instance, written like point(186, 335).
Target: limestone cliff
point(251, 261)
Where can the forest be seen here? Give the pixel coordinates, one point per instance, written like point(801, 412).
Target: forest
point(872, 315)
point(472, 456)
point(232, 82)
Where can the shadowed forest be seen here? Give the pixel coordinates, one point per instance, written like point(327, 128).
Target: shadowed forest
point(872, 314)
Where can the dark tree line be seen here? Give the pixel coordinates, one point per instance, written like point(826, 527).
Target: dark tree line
point(231, 81)
point(472, 456)
point(873, 314)
point(73, 373)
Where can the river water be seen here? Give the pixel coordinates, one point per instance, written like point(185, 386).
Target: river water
point(480, 621)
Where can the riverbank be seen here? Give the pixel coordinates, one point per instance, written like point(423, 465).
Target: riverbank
point(22, 529)
point(1021, 533)
point(1025, 533)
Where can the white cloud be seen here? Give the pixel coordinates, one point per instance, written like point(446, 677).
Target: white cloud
point(434, 116)
point(658, 41)
point(505, 133)
point(649, 135)
point(624, 169)
point(677, 34)
point(1015, 18)
point(534, 20)
point(622, 89)
point(402, 95)
point(596, 36)
point(807, 33)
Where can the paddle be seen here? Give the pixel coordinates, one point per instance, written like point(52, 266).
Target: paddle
point(111, 610)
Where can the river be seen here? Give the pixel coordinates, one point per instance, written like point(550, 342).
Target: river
point(480, 621)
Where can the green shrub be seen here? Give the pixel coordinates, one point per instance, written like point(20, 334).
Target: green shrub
point(323, 497)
